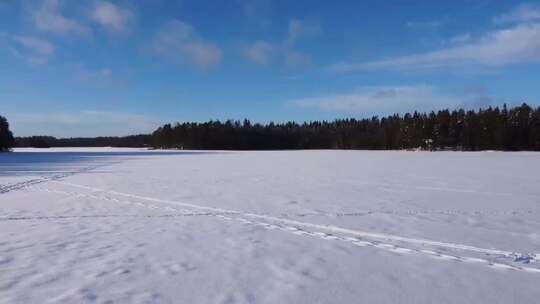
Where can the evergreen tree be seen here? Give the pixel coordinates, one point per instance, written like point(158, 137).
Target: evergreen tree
point(6, 137)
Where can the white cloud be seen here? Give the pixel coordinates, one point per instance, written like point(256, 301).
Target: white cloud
point(380, 100)
point(259, 53)
point(48, 18)
point(521, 13)
point(519, 44)
point(202, 55)
point(111, 17)
point(34, 50)
point(299, 29)
point(177, 42)
point(84, 123)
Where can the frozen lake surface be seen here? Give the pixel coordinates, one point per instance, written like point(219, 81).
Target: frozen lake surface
point(130, 225)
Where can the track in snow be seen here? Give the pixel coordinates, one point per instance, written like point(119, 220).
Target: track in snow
point(32, 182)
point(361, 239)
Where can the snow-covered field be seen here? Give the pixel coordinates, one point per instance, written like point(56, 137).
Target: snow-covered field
point(125, 225)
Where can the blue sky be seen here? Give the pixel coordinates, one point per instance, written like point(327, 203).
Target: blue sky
point(87, 68)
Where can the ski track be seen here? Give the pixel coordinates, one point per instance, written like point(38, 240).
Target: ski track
point(32, 182)
point(362, 239)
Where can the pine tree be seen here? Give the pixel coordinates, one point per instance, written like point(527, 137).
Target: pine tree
point(6, 137)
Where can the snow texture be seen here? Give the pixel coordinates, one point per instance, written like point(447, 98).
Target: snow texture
point(137, 226)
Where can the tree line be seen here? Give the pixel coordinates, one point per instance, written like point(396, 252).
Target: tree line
point(494, 128)
point(512, 129)
point(133, 141)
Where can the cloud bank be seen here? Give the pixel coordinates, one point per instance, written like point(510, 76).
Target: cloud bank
point(381, 99)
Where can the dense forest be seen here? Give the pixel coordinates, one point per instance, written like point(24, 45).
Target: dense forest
point(6, 137)
point(513, 129)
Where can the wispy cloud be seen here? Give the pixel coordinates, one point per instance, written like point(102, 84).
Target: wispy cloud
point(462, 38)
point(84, 123)
point(255, 8)
point(259, 53)
point(381, 99)
point(297, 59)
point(522, 13)
point(515, 45)
point(48, 18)
point(111, 17)
point(104, 76)
point(478, 96)
point(177, 42)
point(299, 29)
point(34, 50)
point(257, 12)
point(424, 25)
